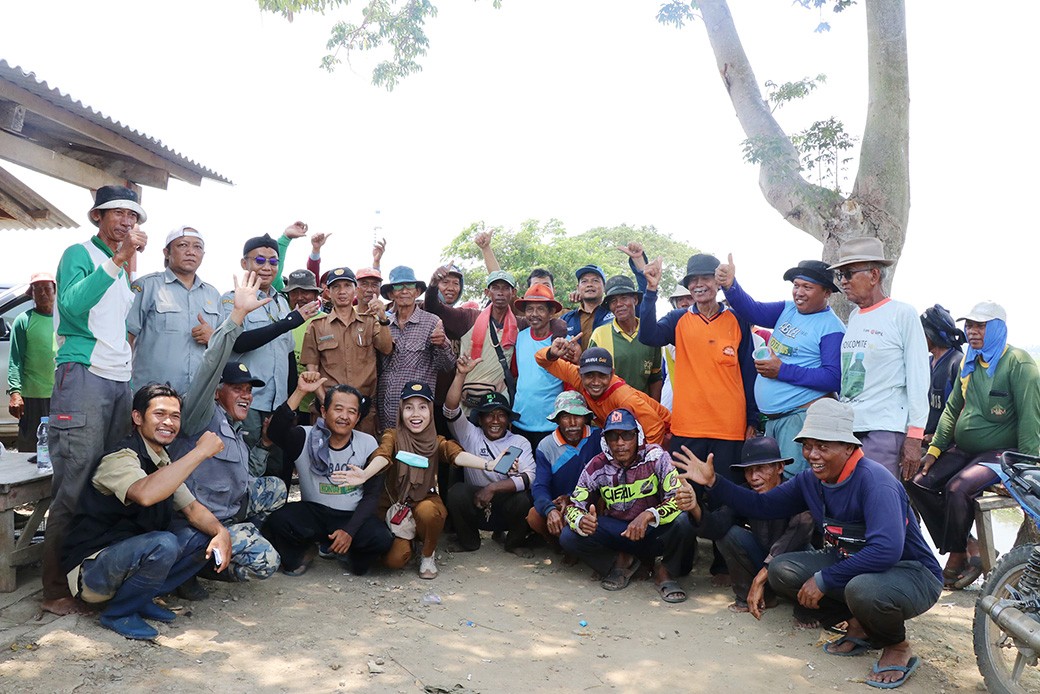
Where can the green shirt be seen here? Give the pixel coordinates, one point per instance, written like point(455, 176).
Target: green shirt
point(984, 413)
point(30, 370)
point(635, 362)
point(297, 334)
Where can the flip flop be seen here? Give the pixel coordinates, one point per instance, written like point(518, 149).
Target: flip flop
point(618, 579)
point(911, 666)
point(862, 646)
point(970, 573)
point(671, 592)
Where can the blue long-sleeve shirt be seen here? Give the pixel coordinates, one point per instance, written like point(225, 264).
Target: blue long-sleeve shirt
point(870, 495)
point(807, 344)
point(558, 466)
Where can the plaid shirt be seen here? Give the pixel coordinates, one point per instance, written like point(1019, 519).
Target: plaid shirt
point(413, 358)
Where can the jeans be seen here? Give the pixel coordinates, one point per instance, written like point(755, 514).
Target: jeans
point(131, 573)
point(784, 430)
point(881, 602)
point(675, 542)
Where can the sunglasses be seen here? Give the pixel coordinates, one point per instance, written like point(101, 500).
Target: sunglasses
point(846, 275)
point(626, 435)
point(407, 285)
point(261, 260)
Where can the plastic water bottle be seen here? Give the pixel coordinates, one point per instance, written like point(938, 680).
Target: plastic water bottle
point(43, 451)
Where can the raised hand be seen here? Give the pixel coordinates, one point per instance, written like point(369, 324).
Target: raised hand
point(726, 272)
point(134, 242)
point(562, 347)
point(296, 230)
point(377, 309)
point(378, 248)
point(694, 469)
point(652, 273)
point(310, 381)
point(318, 240)
point(202, 332)
point(634, 250)
point(483, 239)
point(465, 364)
point(246, 299)
point(441, 272)
point(438, 338)
point(209, 444)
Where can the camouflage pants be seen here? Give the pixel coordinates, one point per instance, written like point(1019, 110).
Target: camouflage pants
point(252, 556)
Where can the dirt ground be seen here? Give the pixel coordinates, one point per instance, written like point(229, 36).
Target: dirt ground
point(504, 624)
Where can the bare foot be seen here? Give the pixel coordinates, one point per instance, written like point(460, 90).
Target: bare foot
point(897, 655)
point(739, 607)
point(722, 580)
point(65, 606)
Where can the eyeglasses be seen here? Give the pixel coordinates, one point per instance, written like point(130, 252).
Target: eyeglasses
point(409, 285)
point(846, 275)
point(624, 435)
point(261, 260)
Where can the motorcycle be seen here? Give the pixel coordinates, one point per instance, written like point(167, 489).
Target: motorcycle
point(1006, 629)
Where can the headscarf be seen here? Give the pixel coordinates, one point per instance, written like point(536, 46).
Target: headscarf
point(993, 346)
point(415, 483)
point(318, 448)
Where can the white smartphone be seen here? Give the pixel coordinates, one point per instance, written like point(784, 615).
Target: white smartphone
point(218, 558)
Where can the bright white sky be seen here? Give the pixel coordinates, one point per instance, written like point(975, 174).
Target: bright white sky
point(584, 110)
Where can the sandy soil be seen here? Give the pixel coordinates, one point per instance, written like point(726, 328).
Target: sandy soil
point(331, 631)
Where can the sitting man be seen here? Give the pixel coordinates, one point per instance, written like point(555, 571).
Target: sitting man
point(485, 499)
point(876, 571)
point(119, 547)
point(636, 483)
point(994, 408)
point(748, 548)
point(602, 389)
point(559, 460)
point(331, 513)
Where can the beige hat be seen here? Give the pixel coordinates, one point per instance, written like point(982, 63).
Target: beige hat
point(828, 420)
point(985, 311)
point(862, 249)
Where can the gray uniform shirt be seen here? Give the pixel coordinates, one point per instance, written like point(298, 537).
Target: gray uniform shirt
point(161, 319)
point(321, 490)
point(269, 363)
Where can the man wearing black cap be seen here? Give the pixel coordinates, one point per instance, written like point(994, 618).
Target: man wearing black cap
point(90, 405)
point(802, 362)
point(487, 499)
point(342, 346)
point(266, 345)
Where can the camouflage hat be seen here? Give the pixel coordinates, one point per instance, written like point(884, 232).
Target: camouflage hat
point(571, 402)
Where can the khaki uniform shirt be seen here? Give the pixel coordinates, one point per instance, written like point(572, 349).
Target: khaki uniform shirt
point(345, 351)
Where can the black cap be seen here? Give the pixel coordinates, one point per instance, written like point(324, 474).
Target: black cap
point(489, 402)
point(339, 273)
point(414, 389)
point(760, 450)
point(237, 372)
point(115, 197)
point(596, 359)
point(301, 279)
point(815, 271)
point(264, 241)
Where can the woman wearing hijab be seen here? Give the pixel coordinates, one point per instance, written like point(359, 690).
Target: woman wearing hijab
point(410, 454)
point(994, 408)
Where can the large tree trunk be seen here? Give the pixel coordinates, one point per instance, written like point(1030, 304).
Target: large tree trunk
point(879, 204)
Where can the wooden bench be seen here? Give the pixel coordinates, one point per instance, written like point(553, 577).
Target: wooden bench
point(989, 501)
point(20, 483)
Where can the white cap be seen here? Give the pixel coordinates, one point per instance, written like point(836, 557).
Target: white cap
point(985, 311)
point(183, 231)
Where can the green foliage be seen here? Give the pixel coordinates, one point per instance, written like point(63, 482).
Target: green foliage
point(677, 13)
point(780, 94)
point(839, 6)
point(821, 146)
point(538, 245)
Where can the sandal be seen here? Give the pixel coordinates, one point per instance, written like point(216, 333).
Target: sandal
point(618, 578)
point(968, 574)
point(861, 646)
point(911, 666)
point(671, 592)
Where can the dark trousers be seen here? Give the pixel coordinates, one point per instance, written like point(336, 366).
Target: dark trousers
point(294, 528)
point(35, 410)
point(945, 496)
point(881, 602)
point(89, 415)
point(508, 513)
point(675, 542)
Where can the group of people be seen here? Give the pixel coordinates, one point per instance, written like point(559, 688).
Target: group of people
point(802, 446)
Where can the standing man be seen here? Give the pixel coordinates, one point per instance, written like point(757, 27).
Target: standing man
point(536, 388)
point(803, 363)
point(301, 290)
point(90, 404)
point(342, 346)
point(30, 371)
point(173, 315)
point(638, 364)
point(592, 312)
point(884, 361)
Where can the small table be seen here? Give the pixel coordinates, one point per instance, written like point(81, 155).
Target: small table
point(20, 483)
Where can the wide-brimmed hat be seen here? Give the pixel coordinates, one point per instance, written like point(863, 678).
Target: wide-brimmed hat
point(415, 389)
point(698, 266)
point(489, 402)
point(985, 311)
point(402, 274)
point(815, 271)
point(621, 285)
point(586, 269)
point(117, 197)
point(596, 360)
point(539, 294)
point(571, 402)
point(301, 279)
point(340, 273)
point(183, 231)
point(862, 249)
point(679, 293)
point(760, 450)
point(237, 372)
point(828, 420)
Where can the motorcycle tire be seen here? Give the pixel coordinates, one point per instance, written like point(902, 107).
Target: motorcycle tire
point(995, 661)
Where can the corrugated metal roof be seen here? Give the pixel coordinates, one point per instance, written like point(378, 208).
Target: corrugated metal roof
point(29, 82)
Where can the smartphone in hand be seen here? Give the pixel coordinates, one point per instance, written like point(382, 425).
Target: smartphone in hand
point(506, 461)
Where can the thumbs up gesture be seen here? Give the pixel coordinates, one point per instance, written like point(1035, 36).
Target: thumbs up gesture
point(726, 272)
point(202, 332)
point(589, 522)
